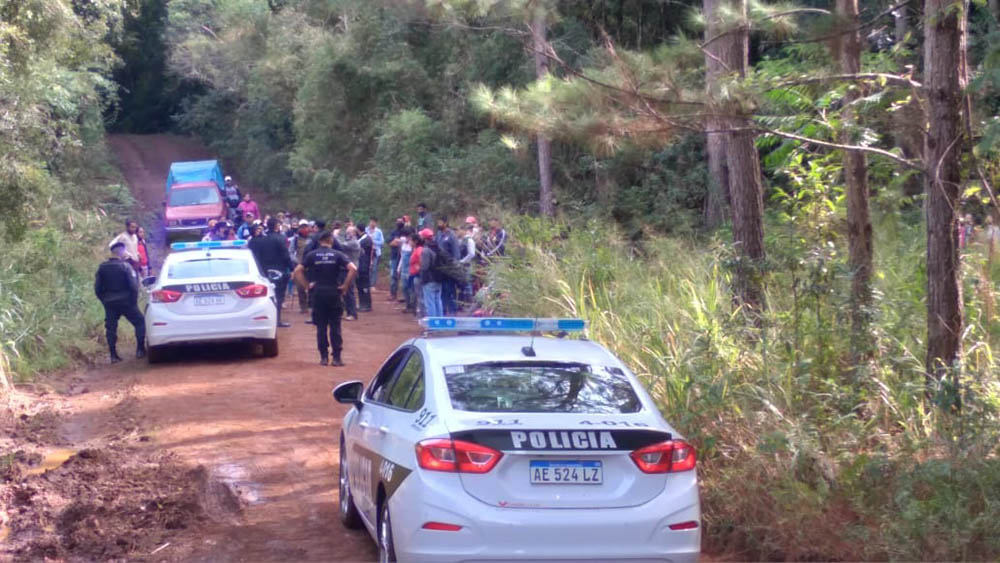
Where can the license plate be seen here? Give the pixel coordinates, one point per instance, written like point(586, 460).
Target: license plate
point(566, 472)
point(209, 300)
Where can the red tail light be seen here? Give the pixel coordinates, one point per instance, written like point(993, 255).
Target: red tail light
point(689, 525)
point(442, 527)
point(671, 456)
point(255, 290)
point(457, 456)
point(166, 296)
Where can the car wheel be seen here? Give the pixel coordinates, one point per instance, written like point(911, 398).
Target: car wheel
point(270, 348)
point(155, 354)
point(349, 515)
point(386, 551)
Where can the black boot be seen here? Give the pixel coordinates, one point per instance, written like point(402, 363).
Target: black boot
point(140, 353)
point(337, 361)
point(115, 358)
point(324, 361)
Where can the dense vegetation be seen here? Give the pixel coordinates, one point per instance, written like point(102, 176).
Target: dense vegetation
point(59, 199)
point(755, 204)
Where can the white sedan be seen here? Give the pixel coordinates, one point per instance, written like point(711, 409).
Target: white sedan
point(514, 448)
point(210, 292)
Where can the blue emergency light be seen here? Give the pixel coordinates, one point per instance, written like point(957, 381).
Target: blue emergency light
point(502, 324)
point(208, 244)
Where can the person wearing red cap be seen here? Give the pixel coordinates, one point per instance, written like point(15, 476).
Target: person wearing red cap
point(473, 224)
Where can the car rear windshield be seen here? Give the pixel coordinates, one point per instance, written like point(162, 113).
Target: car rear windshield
point(540, 387)
point(193, 196)
point(207, 268)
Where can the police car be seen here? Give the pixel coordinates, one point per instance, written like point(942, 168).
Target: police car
point(503, 447)
point(210, 291)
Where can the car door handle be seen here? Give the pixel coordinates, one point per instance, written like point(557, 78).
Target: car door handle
point(364, 424)
point(383, 429)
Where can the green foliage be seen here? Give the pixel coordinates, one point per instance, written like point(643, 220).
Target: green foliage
point(799, 457)
point(54, 63)
point(57, 205)
point(147, 95)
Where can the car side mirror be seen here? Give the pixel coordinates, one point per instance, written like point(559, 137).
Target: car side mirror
point(349, 393)
point(148, 281)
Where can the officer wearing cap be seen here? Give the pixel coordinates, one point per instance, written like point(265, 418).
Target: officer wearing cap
point(322, 271)
point(117, 286)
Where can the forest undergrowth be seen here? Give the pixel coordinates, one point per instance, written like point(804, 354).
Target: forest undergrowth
point(803, 456)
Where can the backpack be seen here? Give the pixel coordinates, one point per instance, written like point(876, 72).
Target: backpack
point(445, 266)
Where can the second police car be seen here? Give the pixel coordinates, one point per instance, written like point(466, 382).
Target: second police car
point(210, 291)
point(507, 447)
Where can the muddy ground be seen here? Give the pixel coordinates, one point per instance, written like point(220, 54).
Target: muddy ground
point(214, 456)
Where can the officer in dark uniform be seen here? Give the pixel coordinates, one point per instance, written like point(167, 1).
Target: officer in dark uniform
point(117, 287)
point(271, 253)
point(322, 271)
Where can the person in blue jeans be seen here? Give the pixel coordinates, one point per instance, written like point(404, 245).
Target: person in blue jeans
point(447, 242)
point(430, 281)
point(378, 241)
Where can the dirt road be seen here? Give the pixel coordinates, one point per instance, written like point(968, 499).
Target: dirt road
point(269, 429)
point(266, 427)
point(263, 430)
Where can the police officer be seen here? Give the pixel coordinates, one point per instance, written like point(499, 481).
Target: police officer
point(117, 287)
point(271, 253)
point(321, 271)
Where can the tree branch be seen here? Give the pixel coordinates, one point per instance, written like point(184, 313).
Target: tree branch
point(565, 66)
point(765, 18)
point(859, 27)
point(904, 161)
point(901, 80)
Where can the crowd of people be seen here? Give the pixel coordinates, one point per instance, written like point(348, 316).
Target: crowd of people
point(434, 269)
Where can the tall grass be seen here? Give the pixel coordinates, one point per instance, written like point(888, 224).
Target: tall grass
point(804, 456)
point(49, 316)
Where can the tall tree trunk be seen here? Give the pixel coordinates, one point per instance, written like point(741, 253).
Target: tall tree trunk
point(728, 54)
point(540, 46)
point(859, 224)
point(944, 61)
point(717, 198)
point(748, 217)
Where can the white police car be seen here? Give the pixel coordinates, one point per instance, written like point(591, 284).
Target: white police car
point(508, 447)
point(210, 292)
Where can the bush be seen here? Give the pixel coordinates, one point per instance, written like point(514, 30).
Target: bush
point(804, 456)
point(49, 316)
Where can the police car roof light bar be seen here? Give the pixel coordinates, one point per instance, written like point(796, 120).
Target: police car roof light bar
point(501, 324)
point(208, 244)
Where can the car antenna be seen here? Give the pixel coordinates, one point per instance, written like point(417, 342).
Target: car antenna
point(529, 350)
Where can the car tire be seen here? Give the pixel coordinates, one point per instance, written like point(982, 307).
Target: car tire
point(349, 515)
point(386, 550)
point(270, 348)
point(155, 354)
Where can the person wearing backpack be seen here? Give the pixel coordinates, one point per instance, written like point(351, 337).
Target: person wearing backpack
point(430, 276)
point(448, 243)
